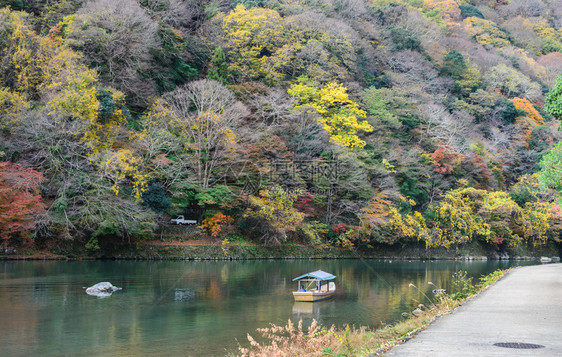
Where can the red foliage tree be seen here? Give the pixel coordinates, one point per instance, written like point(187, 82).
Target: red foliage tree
point(339, 228)
point(444, 159)
point(215, 224)
point(20, 201)
point(305, 204)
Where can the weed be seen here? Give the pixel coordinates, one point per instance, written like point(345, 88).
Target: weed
point(291, 340)
point(463, 286)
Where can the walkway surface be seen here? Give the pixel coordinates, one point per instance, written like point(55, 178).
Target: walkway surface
point(525, 306)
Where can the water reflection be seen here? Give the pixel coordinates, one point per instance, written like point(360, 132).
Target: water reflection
point(308, 310)
point(195, 308)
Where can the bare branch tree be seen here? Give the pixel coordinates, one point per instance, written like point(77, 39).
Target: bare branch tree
point(117, 37)
point(204, 114)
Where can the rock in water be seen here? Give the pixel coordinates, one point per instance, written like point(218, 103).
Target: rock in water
point(103, 289)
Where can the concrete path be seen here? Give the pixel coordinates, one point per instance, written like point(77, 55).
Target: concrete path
point(525, 306)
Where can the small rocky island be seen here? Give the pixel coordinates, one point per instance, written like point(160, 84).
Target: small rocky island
point(103, 289)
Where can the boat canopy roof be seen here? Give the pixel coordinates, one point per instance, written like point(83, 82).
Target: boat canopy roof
point(319, 274)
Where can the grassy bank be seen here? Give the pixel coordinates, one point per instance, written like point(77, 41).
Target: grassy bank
point(294, 340)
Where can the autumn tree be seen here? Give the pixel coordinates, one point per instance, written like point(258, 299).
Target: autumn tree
point(217, 223)
point(12, 107)
point(338, 114)
point(121, 165)
point(173, 12)
point(455, 220)
point(43, 68)
point(203, 116)
point(253, 37)
point(20, 201)
point(260, 44)
point(511, 82)
point(552, 64)
point(527, 107)
point(487, 32)
point(382, 222)
point(273, 213)
point(118, 39)
point(448, 129)
point(449, 9)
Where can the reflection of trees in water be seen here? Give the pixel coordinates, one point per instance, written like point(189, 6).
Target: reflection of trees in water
point(181, 305)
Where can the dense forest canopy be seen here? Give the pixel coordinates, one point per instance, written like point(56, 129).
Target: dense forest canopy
point(340, 122)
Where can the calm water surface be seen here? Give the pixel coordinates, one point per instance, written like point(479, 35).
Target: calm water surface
point(195, 308)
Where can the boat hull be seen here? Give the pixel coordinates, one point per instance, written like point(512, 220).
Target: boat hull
point(315, 295)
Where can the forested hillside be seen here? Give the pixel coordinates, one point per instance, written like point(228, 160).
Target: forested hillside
point(337, 122)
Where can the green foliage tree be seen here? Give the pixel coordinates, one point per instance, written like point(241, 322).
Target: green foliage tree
point(553, 100)
point(453, 65)
point(376, 106)
point(156, 198)
point(404, 39)
point(468, 10)
point(248, 4)
point(13, 4)
point(507, 111)
point(171, 65)
point(218, 68)
point(550, 175)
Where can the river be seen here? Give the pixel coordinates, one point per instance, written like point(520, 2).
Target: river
point(203, 308)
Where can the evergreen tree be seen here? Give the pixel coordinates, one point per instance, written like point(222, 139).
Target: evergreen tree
point(218, 69)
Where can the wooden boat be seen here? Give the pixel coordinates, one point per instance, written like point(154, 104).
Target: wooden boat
point(314, 286)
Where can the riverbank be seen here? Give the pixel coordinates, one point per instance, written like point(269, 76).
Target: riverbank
point(520, 315)
point(223, 250)
point(319, 340)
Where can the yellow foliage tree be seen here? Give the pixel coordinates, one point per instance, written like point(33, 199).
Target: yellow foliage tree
point(449, 9)
point(43, 68)
point(525, 105)
point(338, 113)
point(273, 213)
point(487, 32)
point(494, 217)
point(538, 217)
point(121, 165)
point(23, 53)
point(455, 221)
point(12, 105)
point(260, 44)
point(253, 36)
point(470, 78)
point(382, 221)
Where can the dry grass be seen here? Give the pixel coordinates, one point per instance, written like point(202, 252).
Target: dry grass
point(291, 340)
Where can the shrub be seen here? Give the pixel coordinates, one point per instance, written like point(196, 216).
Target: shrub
point(215, 224)
point(468, 10)
point(404, 39)
point(155, 198)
